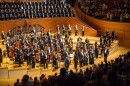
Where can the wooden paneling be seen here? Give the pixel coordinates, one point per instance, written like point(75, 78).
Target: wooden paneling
point(122, 30)
point(48, 23)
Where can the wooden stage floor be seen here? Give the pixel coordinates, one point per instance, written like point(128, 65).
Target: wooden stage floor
point(10, 81)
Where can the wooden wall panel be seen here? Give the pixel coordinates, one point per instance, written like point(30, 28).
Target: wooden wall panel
point(122, 30)
point(48, 23)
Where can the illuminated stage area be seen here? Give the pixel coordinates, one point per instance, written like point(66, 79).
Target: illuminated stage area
point(10, 70)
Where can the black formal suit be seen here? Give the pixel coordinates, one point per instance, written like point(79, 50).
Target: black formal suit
point(106, 53)
point(81, 57)
point(55, 63)
point(27, 56)
point(16, 51)
point(41, 57)
point(7, 48)
point(48, 53)
point(67, 62)
point(91, 57)
point(79, 39)
point(83, 29)
point(76, 58)
point(9, 34)
point(96, 52)
point(85, 60)
point(3, 38)
point(33, 59)
point(45, 63)
point(63, 30)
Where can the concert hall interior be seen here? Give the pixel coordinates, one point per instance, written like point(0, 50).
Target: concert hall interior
point(65, 43)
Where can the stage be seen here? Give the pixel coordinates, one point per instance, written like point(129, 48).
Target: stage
point(9, 74)
point(10, 70)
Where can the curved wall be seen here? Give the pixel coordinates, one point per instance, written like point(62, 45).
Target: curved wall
point(48, 23)
point(122, 30)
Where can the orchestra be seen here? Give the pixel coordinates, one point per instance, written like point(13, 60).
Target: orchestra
point(44, 48)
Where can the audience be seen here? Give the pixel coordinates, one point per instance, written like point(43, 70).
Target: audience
point(118, 10)
point(40, 9)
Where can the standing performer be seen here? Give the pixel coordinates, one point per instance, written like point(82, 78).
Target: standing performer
point(67, 62)
point(0, 56)
point(63, 30)
point(7, 48)
point(48, 53)
point(96, 50)
point(34, 30)
point(106, 53)
point(81, 57)
point(76, 59)
point(83, 29)
point(19, 56)
point(33, 59)
point(3, 37)
point(55, 63)
point(76, 30)
point(85, 60)
point(16, 50)
point(41, 57)
point(69, 30)
point(9, 34)
point(91, 56)
point(58, 29)
point(28, 56)
point(45, 60)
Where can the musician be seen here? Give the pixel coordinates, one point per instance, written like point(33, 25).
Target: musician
point(48, 53)
point(58, 29)
point(113, 35)
point(70, 47)
point(3, 37)
point(62, 44)
point(19, 57)
point(76, 30)
point(79, 39)
point(67, 62)
point(34, 30)
point(0, 56)
point(106, 53)
point(96, 49)
point(48, 33)
point(55, 61)
point(81, 57)
point(69, 30)
point(45, 63)
point(83, 29)
point(63, 30)
point(33, 58)
point(27, 51)
point(87, 40)
point(26, 41)
point(9, 34)
point(7, 48)
point(76, 59)
point(77, 46)
point(21, 30)
point(16, 51)
point(41, 57)
point(85, 60)
point(91, 56)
